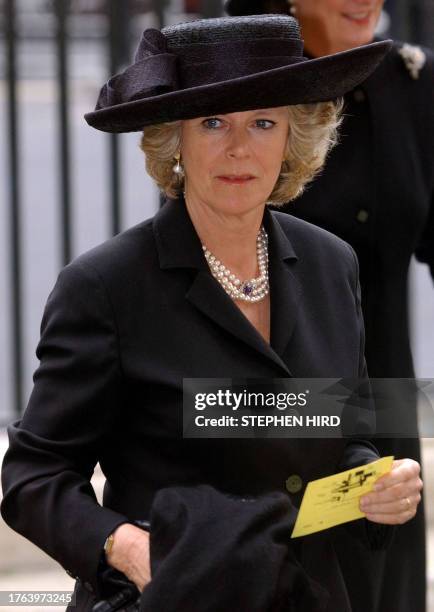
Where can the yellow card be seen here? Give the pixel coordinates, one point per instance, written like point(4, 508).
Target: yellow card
point(334, 500)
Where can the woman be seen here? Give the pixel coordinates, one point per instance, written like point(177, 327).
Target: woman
point(129, 320)
point(377, 193)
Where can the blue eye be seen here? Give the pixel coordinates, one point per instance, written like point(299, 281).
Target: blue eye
point(264, 124)
point(212, 123)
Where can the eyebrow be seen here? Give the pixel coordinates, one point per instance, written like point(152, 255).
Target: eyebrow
point(255, 113)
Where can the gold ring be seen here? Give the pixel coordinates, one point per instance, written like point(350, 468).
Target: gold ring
point(407, 499)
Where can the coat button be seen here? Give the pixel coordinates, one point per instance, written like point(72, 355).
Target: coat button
point(293, 483)
point(362, 215)
point(359, 95)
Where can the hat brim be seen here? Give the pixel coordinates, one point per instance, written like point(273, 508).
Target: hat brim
point(314, 80)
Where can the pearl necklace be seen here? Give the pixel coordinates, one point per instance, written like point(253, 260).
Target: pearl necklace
point(252, 290)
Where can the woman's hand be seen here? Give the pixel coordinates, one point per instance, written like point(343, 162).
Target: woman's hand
point(396, 495)
point(130, 554)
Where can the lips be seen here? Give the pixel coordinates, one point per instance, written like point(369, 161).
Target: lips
point(236, 178)
point(362, 18)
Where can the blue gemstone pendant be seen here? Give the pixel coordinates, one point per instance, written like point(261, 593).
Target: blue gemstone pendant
point(247, 288)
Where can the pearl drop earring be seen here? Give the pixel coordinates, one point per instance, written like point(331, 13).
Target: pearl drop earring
point(292, 7)
point(177, 168)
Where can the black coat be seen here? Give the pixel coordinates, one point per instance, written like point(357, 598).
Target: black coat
point(377, 193)
point(221, 539)
point(123, 326)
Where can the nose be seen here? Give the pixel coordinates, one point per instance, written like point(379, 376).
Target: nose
point(238, 144)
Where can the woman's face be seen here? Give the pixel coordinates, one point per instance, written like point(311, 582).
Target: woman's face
point(232, 162)
point(329, 26)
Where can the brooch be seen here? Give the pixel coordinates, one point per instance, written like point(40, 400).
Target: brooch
point(414, 59)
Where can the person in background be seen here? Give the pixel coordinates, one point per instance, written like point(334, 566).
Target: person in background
point(376, 191)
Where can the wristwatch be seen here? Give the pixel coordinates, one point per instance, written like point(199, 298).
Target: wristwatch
point(108, 544)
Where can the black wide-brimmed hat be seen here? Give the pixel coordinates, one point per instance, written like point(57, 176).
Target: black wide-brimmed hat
point(225, 65)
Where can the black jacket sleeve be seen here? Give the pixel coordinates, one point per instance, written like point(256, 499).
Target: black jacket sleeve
point(53, 450)
point(361, 450)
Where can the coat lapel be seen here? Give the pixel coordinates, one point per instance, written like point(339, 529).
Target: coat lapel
point(285, 288)
point(207, 295)
point(179, 247)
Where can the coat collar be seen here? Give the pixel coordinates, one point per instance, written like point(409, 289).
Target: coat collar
point(178, 246)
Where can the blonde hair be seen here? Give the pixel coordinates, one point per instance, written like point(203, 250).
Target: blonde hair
point(312, 134)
